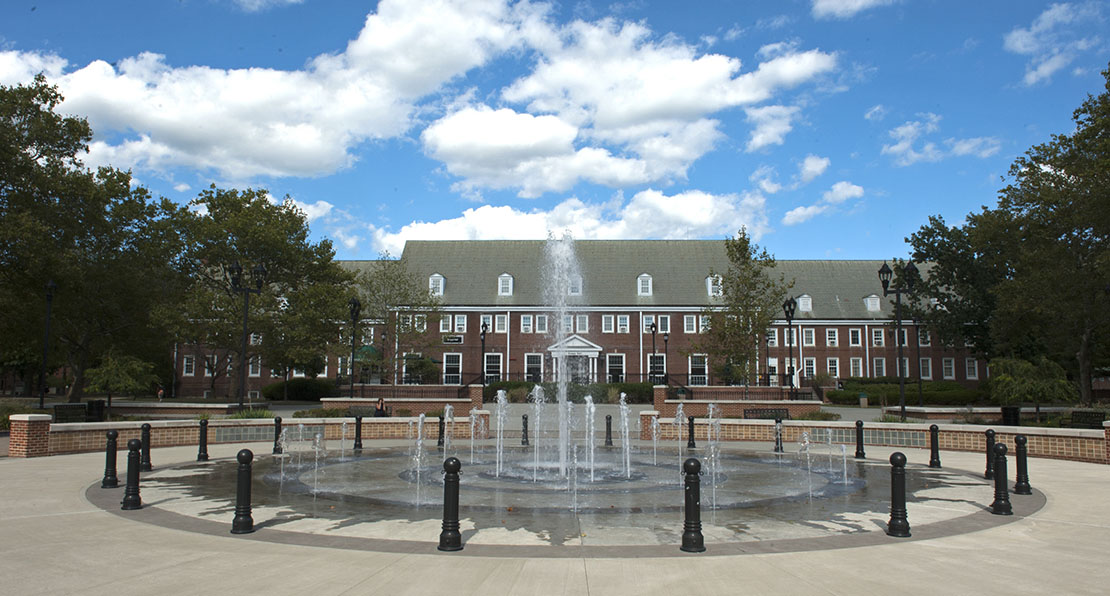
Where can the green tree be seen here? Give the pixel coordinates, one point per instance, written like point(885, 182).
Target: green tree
point(111, 248)
point(748, 300)
point(120, 374)
point(1015, 381)
point(400, 305)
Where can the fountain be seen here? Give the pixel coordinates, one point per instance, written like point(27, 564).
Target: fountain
point(560, 272)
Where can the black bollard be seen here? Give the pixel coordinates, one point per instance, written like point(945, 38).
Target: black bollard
point(439, 441)
point(692, 539)
point(243, 522)
point(277, 435)
point(144, 464)
point(1022, 486)
point(358, 433)
point(608, 430)
point(1001, 504)
point(524, 429)
point(778, 435)
point(899, 525)
point(934, 446)
point(110, 480)
point(202, 442)
point(450, 539)
point(131, 499)
point(990, 454)
point(690, 442)
point(859, 440)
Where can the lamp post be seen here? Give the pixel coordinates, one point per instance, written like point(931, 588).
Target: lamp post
point(907, 280)
point(666, 336)
point(482, 364)
point(355, 308)
point(50, 287)
point(789, 307)
point(920, 394)
point(651, 366)
point(258, 274)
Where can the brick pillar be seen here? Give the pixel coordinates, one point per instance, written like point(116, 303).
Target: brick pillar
point(658, 397)
point(475, 392)
point(1106, 429)
point(30, 435)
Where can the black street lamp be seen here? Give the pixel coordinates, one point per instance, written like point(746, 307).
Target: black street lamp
point(50, 287)
point(482, 364)
point(789, 308)
point(651, 366)
point(920, 394)
point(666, 336)
point(258, 274)
point(356, 308)
point(907, 280)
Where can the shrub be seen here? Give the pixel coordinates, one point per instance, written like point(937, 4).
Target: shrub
point(518, 392)
point(322, 413)
point(300, 390)
point(818, 415)
point(244, 414)
point(402, 412)
point(7, 408)
point(877, 394)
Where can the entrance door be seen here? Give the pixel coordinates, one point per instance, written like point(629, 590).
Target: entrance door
point(578, 369)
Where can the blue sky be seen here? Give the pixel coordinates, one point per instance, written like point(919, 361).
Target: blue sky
point(829, 128)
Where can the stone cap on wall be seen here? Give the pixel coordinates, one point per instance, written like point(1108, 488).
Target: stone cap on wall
point(31, 417)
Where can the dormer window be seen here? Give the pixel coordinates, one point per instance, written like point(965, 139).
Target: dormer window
point(505, 285)
point(435, 284)
point(872, 303)
point(575, 287)
point(643, 285)
point(713, 286)
point(805, 303)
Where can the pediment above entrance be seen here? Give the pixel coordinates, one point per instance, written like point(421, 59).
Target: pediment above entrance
point(575, 345)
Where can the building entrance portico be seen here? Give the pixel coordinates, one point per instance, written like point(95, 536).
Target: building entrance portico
point(576, 358)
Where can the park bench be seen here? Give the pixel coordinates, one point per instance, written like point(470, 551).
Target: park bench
point(767, 413)
point(70, 413)
point(1087, 419)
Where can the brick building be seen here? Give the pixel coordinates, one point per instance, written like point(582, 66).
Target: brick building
point(842, 326)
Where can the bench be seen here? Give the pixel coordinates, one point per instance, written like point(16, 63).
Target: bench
point(767, 413)
point(1087, 419)
point(70, 413)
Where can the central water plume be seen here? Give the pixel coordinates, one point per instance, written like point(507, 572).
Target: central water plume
point(561, 277)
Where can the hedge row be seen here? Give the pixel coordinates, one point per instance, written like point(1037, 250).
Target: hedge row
point(879, 394)
point(300, 390)
point(603, 393)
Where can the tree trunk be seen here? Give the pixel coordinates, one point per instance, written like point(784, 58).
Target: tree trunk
point(1083, 357)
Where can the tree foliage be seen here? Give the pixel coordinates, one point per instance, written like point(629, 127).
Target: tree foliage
point(1015, 381)
point(750, 296)
point(400, 306)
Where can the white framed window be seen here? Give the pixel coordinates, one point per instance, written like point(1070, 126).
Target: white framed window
point(622, 323)
point(773, 372)
point(877, 337)
point(878, 366)
point(254, 366)
point(832, 338)
point(607, 323)
point(493, 367)
point(533, 368)
point(643, 285)
point(298, 372)
point(703, 323)
point(923, 338)
point(487, 322)
point(445, 324)
point(504, 285)
point(903, 366)
point(713, 286)
point(452, 368)
point(772, 338)
point(690, 324)
point(805, 303)
point(872, 303)
point(790, 336)
point(856, 366)
point(575, 286)
point(809, 367)
point(254, 394)
point(501, 323)
point(435, 284)
point(210, 365)
point(657, 367)
point(406, 377)
point(460, 323)
point(699, 369)
point(525, 323)
point(904, 334)
point(541, 323)
point(568, 323)
point(614, 367)
point(832, 366)
point(420, 322)
point(664, 324)
point(926, 367)
point(948, 368)
point(583, 323)
point(972, 368)
point(256, 339)
point(808, 337)
point(344, 365)
point(855, 338)
point(188, 366)
point(647, 321)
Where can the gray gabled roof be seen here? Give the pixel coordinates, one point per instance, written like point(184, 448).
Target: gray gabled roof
point(610, 268)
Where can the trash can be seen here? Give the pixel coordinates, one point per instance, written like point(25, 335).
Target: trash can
point(863, 400)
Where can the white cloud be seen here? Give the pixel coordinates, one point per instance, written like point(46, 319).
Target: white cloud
point(840, 192)
point(812, 167)
point(648, 214)
point(799, 215)
point(907, 151)
point(181, 187)
point(312, 211)
point(1053, 40)
point(771, 125)
point(978, 146)
point(21, 67)
point(259, 5)
point(763, 176)
point(843, 9)
point(877, 112)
